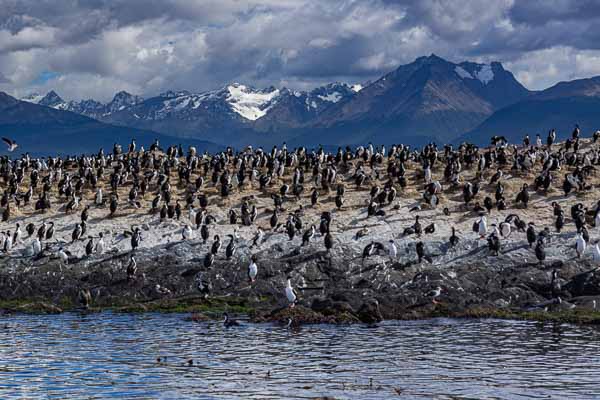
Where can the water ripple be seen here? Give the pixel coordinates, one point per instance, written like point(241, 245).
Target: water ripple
point(116, 355)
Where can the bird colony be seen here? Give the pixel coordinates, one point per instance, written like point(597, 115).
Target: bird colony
point(392, 214)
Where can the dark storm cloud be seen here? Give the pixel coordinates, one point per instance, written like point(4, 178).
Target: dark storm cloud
point(96, 47)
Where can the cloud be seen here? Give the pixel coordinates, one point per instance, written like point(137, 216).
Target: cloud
point(97, 47)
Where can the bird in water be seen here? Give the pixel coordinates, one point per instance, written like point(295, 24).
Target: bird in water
point(229, 322)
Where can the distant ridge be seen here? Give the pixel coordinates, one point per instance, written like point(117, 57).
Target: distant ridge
point(430, 99)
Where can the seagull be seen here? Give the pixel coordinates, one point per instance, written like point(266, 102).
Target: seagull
point(12, 145)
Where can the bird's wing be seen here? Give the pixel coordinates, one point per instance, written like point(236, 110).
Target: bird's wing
point(7, 141)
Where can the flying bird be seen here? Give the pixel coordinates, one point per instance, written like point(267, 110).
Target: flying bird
point(12, 145)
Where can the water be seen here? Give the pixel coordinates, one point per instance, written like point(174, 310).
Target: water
point(115, 355)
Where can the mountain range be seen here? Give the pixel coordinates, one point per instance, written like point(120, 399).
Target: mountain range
point(430, 99)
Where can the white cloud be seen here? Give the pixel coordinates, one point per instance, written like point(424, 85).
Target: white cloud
point(148, 46)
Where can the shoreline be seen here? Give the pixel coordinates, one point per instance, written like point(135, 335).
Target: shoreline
point(337, 284)
point(213, 310)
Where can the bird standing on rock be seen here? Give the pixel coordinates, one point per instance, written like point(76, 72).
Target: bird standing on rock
point(290, 294)
point(580, 245)
point(252, 269)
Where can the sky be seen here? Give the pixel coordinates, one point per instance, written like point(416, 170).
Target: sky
point(95, 48)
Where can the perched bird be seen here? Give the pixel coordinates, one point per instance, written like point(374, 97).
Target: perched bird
point(580, 245)
point(494, 244)
point(187, 232)
point(531, 234)
point(434, 294)
point(540, 251)
point(131, 269)
point(252, 269)
point(290, 294)
point(453, 238)
point(392, 250)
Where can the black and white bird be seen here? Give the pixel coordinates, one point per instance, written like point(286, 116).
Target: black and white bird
point(11, 144)
point(531, 234)
point(131, 269)
point(252, 270)
point(540, 251)
point(231, 247)
point(203, 285)
point(290, 293)
point(580, 245)
point(228, 322)
point(434, 294)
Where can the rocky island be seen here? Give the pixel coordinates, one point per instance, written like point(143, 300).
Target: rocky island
point(460, 218)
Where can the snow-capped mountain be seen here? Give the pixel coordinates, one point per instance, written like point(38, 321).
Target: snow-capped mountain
point(90, 108)
point(41, 130)
point(242, 103)
point(428, 99)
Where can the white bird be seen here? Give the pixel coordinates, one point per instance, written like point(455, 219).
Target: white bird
point(63, 256)
point(12, 145)
point(596, 253)
point(36, 246)
point(8, 243)
point(290, 293)
point(98, 199)
point(100, 244)
point(482, 226)
point(392, 250)
point(192, 214)
point(187, 232)
point(505, 229)
point(427, 173)
point(580, 245)
point(253, 270)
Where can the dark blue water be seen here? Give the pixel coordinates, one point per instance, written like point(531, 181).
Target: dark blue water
point(115, 355)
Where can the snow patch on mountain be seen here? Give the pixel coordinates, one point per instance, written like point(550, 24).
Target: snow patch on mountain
point(485, 74)
point(331, 97)
point(357, 87)
point(463, 73)
point(248, 103)
point(33, 98)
